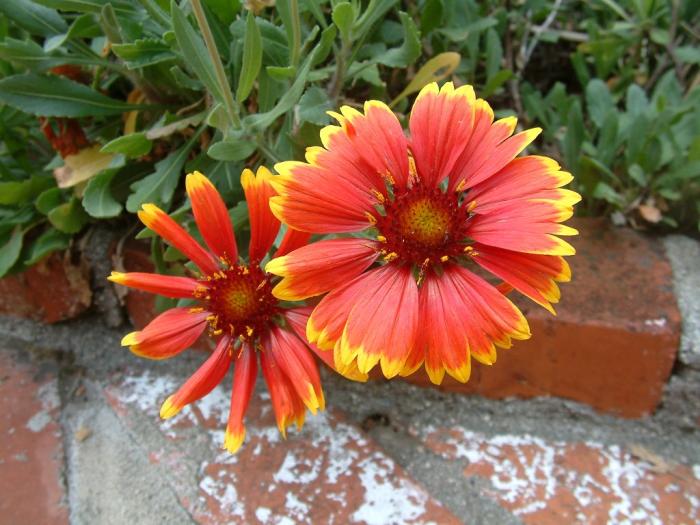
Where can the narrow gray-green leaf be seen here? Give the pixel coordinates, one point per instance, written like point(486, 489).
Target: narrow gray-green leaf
point(409, 51)
point(98, 200)
point(231, 150)
point(252, 58)
point(53, 96)
point(195, 52)
point(159, 186)
point(36, 19)
point(143, 52)
point(132, 145)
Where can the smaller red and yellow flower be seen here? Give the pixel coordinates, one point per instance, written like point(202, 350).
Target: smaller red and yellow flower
point(421, 218)
point(235, 303)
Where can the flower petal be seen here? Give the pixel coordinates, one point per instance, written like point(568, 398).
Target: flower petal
point(287, 405)
point(326, 323)
point(441, 123)
point(292, 240)
point(166, 285)
point(533, 275)
point(168, 334)
point(297, 365)
point(493, 319)
point(244, 374)
point(367, 150)
point(263, 224)
point(202, 381)
point(159, 221)
point(322, 266)
point(211, 216)
point(314, 199)
point(297, 319)
point(383, 323)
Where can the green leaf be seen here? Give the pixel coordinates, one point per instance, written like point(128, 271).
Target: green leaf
point(231, 150)
point(195, 52)
point(53, 96)
point(323, 48)
point(343, 17)
point(69, 217)
point(462, 33)
point(495, 82)
point(288, 100)
point(599, 101)
point(607, 139)
point(160, 185)
point(143, 52)
point(431, 15)
point(50, 241)
point(573, 137)
point(48, 200)
point(9, 253)
point(494, 53)
point(637, 101)
point(252, 58)
point(132, 145)
point(82, 27)
point(607, 193)
point(36, 19)
point(19, 192)
point(98, 200)
point(409, 51)
point(28, 54)
point(313, 106)
point(688, 54)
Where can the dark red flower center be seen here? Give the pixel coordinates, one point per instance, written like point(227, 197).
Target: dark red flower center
point(240, 300)
point(423, 225)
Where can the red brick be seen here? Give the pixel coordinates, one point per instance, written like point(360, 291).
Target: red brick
point(331, 472)
point(552, 482)
point(614, 340)
point(31, 447)
point(53, 290)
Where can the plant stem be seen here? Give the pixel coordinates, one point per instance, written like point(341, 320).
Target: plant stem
point(231, 107)
point(296, 31)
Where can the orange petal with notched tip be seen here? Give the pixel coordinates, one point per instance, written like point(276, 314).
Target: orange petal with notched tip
point(244, 375)
point(159, 221)
point(263, 224)
point(165, 285)
point(202, 381)
point(168, 334)
point(211, 216)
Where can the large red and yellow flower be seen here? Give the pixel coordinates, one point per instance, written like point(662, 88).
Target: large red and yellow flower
point(422, 213)
point(234, 301)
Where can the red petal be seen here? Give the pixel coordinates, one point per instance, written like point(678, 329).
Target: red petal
point(322, 266)
point(533, 275)
point(263, 224)
point(202, 381)
point(166, 285)
point(493, 318)
point(292, 240)
point(244, 374)
point(315, 199)
point(287, 405)
point(159, 221)
point(441, 123)
point(383, 323)
point(211, 216)
point(328, 319)
point(297, 365)
point(298, 319)
point(168, 334)
point(366, 150)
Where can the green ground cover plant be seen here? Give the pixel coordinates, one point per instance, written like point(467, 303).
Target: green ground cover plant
point(105, 104)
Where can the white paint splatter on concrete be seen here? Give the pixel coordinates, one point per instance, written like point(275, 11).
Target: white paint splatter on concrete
point(527, 473)
point(388, 499)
